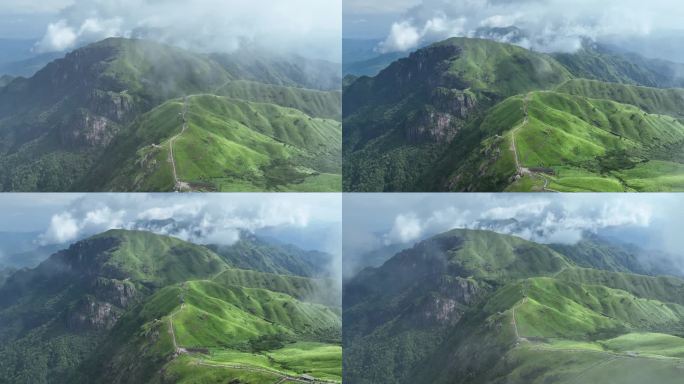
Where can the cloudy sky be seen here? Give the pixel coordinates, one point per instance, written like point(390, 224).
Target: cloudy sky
point(653, 221)
point(553, 25)
point(311, 221)
point(308, 27)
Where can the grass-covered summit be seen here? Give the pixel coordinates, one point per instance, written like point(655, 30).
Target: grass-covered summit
point(59, 128)
point(227, 145)
point(480, 307)
point(125, 304)
point(477, 115)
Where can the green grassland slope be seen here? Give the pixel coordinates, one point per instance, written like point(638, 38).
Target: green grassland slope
point(228, 145)
point(59, 128)
point(584, 144)
point(494, 117)
point(399, 123)
point(490, 308)
point(128, 304)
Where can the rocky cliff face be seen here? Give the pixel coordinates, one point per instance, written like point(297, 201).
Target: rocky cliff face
point(449, 301)
point(120, 293)
point(76, 96)
point(443, 118)
point(433, 103)
point(418, 74)
point(103, 308)
point(87, 130)
point(106, 292)
point(90, 314)
point(424, 69)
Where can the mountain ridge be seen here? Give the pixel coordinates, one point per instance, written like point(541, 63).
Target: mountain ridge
point(57, 124)
point(109, 290)
point(467, 125)
point(483, 326)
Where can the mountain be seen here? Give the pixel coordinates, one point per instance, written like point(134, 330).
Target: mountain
point(599, 62)
point(599, 253)
point(5, 79)
point(416, 107)
point(5, 273)
point(125, 303)
point(361, 57)
point(315, 103)
point(491, 308)
point(252, 252)
point(477, 115)
point(59, 126)
point(227, 145)
point(283, 70)
point(371, 66)
point(19, 58)
point(30, 258)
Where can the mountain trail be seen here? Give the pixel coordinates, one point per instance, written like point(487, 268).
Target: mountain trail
point(178, 350)
point(514, 321)
point(282, 377)
point(179, 186)
point(520, 170)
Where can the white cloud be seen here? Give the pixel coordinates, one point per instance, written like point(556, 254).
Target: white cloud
point(59, 37)
point(63, 228)
point(308, 27)
point(552, 25)
point(525, 209)
point(189, 208)
point(403, 36)
point(215, 218)
point(104, 216)
point(407, 227)
point(539, 219)
point(377, 7)
point(19, 7)
point(70, 225)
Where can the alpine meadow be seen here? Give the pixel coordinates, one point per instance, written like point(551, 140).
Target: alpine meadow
point(226, 294)
point(586, 289)
point(148, 98)
point(545, 96)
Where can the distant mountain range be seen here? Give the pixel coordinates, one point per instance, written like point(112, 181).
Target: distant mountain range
point(126, 304)
point(133, 115)
point(473, 306)
point(20, 58)
point(471, 114)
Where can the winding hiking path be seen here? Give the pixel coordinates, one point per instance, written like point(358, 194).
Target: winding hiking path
point(179, 186)
point(179, 350)
point(520, 170)
point(282, 377)
point(514, 321)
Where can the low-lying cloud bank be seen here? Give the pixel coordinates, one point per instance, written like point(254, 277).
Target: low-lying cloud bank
point(306, 27)
point(215, 218)
point(546, 25)
point(652, 221)
point(543, 221)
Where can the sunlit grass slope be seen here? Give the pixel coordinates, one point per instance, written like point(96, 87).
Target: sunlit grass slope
point(230, 145)
point(323, 104)
point(226, 331)
point(587, 144)
point(491, 308)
